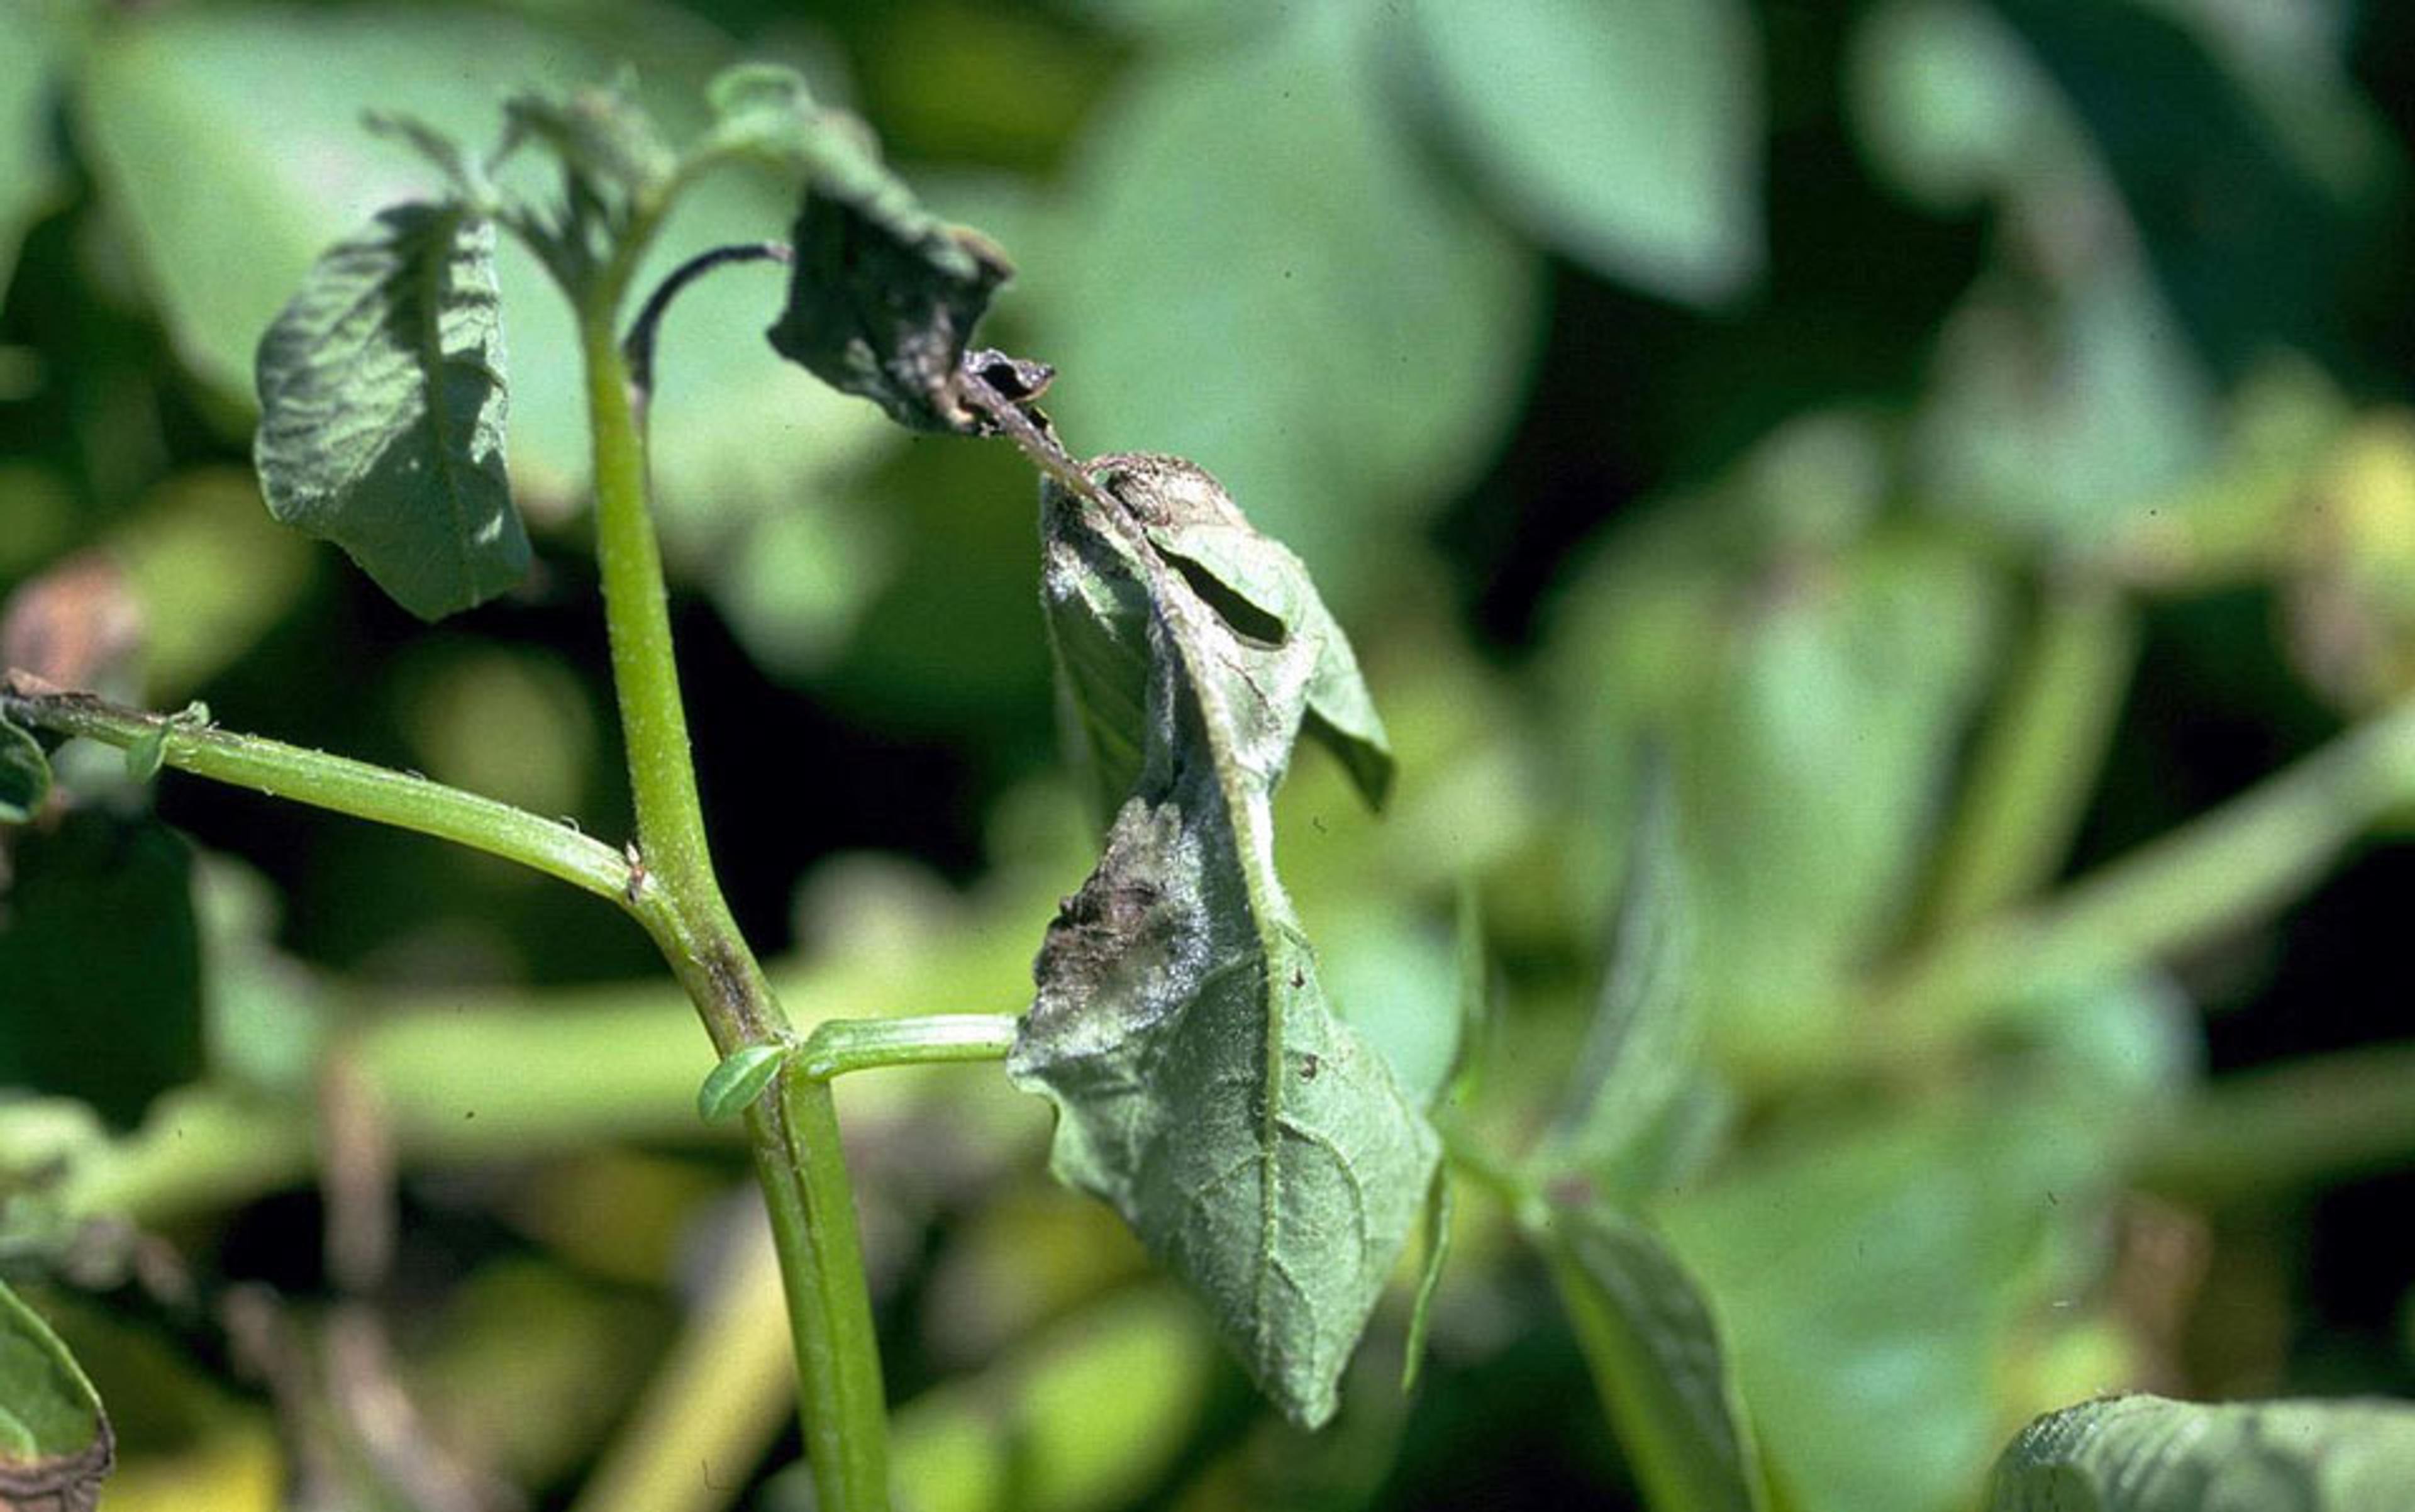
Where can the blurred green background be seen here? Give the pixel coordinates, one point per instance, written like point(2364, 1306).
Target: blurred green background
point(1968, 437)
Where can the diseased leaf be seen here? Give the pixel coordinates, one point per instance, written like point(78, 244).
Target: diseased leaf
point(24, 774)
point(1655, 1350)
point(742, 1077)
point(1203, 1086)
point(882, 295)
point(1098, 617)
point(383, 411)
point(55, 1444)
point(2146, 1454)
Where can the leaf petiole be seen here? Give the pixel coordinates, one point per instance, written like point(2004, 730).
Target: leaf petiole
point(838, 1046)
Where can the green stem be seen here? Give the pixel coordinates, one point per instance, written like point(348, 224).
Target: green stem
point(2219, 872)
point(798, 1159)
point(2288, 1129)
point(2038, 759)
point(838, 1046)
point(343, 785)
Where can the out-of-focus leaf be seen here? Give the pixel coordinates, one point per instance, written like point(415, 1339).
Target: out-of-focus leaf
point(24, 774)
point(602, 134)
point(882, 295)
point(102, 961)
point(2147, 1454)
point(1203, 1086)
point(738, 1081)
point(2062, 416)
point(1306, 309)
point(1640, 1048)
point(1949, 103)
point(1654, 1347)
point(1440, 1206)
point(28, 175)
point(1627, 135)
point(1912, 1246)
point(1259, 591)
point(383, 408)
point(56, 1445)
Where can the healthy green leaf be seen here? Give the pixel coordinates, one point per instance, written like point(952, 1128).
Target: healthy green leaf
point(383, 411)
point(882, 295)
point(24, 774)
point(55, 1444)
point(2146, 1454)
point(1203, 1086)
point(1627, 134)
point(1646, 1028)
point(1257, 590)
point(1647, 1332)
point(1308, 307)
point(739, 1079)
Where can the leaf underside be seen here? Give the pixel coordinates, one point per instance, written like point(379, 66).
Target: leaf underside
point(1204, 1088)
point(383, 411)
point(2147, 1454)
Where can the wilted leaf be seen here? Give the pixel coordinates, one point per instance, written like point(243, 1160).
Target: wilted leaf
point(381, 410)
point(24, 774)
point(1647, 1332)
point(882, 295)
point(2145, 1454)
point(1099, 614)
point(1627, 135)
point(55, 1444)
point(1204, 1088)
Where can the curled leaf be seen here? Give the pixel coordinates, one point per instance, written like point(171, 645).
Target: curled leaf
point(1093, 589)
point(883, 295)
point(383, 411)
point(1204, 1087)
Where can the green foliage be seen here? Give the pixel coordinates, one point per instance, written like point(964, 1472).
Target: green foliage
point(1284, 290)
point(383, 400)
point(54, 1441)
point(737, 1079)
point(2147, 1454)
point(1204, 1087)
point(1625, 134)
point(1658, 1361)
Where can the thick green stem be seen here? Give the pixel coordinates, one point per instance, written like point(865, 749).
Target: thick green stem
point(341, 785)
point(794, 1135)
